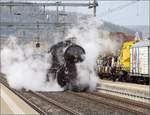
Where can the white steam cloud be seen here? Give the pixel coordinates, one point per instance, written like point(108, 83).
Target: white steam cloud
point(88, 36)
point(24, 69)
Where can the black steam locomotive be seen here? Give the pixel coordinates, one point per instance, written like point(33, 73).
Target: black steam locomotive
point(65, 56)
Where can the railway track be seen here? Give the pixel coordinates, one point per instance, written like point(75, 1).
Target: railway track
point(123, 100)
point(71, 103)
point(134, 107)
point(40, 111)
point(41, 101)
point(146, 98)
point(47, 105)
point(84, 105)
point(67, 109)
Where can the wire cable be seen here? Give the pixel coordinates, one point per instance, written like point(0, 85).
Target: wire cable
point(117, 8)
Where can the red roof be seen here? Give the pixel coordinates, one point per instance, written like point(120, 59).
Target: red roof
point(120, 36)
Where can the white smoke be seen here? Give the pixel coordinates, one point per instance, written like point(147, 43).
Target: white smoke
point(25, 69)
point(87, 34)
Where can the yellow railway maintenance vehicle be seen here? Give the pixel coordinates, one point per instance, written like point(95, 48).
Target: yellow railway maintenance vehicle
point(124, 58)
point(132, 64)
point(117, 67)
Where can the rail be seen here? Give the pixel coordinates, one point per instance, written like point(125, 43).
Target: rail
point(41, 96)
point(120, 103)
point(56, 103)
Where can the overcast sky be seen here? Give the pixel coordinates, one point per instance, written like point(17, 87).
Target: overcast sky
point(134, 14)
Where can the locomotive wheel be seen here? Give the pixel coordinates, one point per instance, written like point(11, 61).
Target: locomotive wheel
point(62, 78)
point(61, 81)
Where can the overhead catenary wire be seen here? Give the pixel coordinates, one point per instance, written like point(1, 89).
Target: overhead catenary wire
point(76, 0)
point(137, 9)
point(57, 3)
point(118, 8)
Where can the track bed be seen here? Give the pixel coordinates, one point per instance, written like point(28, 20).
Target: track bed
point(69, 103)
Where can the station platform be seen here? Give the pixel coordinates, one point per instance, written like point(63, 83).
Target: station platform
point(129, 90)
point(12, 104)
point(132, 86)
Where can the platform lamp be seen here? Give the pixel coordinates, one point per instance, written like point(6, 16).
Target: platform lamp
point(38, 38)
point(38, 43)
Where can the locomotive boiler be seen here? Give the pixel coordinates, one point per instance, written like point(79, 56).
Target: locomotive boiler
point(65, 56)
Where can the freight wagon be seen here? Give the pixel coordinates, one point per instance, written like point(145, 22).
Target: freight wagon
point(140, 61)
point(133, 64)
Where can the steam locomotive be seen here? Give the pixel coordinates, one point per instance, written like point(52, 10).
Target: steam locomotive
point(65, 56)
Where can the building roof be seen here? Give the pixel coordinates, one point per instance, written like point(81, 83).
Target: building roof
point(144, 43)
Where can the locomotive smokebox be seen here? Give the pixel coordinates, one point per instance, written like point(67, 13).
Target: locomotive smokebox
point(74, 54)
point(65, 56)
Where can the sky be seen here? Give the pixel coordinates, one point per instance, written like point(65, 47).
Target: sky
point(134, 14)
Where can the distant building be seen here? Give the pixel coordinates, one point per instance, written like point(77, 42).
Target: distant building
point(121, 37)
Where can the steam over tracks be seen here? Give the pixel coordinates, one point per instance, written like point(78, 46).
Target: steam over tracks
point(68, 103)
point(40, 102)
